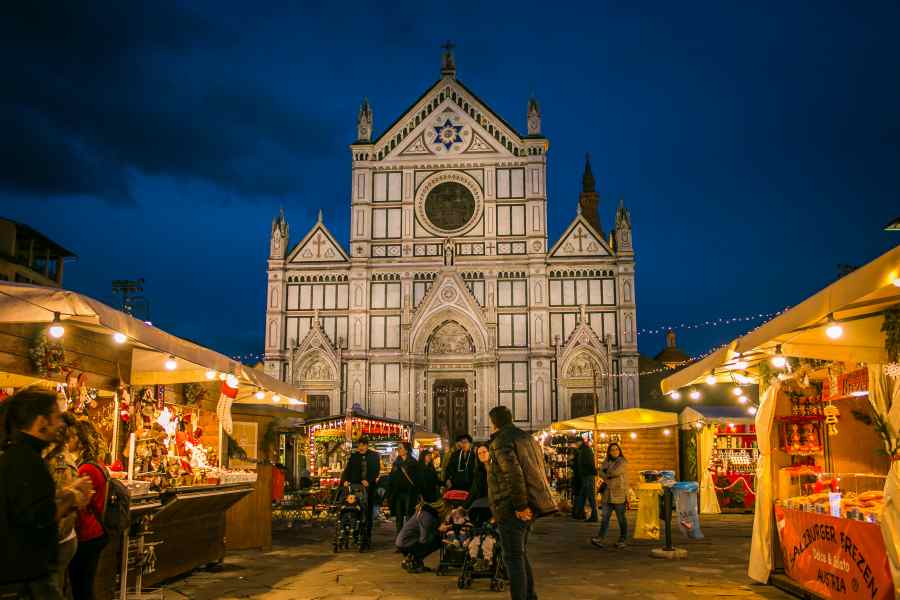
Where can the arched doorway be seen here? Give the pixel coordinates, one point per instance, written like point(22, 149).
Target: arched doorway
point(451, 407)
point(449, 347)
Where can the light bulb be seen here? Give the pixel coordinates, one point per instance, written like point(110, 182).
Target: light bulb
point(741, 364)
point(232, 381)
point(699, 425)
point(276, 398)
point(120, 338)
point(743, 399)
point(260, 394)
point(710, 379)
point(632, 435)
point(223, 376)
point(675, 395)
point(210, 374)
point(666, 432)
point(293, 401)
point(834, 331)
point(896, 281)
point(752, 410)
point(695, 395)
point(736, 390)
point(56, 329)
point(778, 361)
point(171, 363)
point(602, 435)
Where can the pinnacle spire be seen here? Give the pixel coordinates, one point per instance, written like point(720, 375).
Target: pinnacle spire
point(587, 180)
point(448, 64)
point(320, 216)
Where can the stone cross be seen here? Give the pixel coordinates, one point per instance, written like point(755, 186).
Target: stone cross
point(318, 241)
point(579, 235)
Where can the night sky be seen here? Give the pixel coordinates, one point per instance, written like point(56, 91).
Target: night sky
point(757, 146)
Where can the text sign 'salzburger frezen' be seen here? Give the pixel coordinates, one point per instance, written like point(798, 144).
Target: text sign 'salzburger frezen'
point(835, 558)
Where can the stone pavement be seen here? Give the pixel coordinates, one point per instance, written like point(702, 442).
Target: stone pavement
point(301, 566)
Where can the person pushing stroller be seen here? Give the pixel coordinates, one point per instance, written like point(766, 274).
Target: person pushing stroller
point(363, 468)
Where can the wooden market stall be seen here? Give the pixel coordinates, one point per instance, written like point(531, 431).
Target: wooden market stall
point(827, 515)
point(163, 405)
point(724, 449)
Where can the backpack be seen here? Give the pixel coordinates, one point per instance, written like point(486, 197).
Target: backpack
point(116, 515)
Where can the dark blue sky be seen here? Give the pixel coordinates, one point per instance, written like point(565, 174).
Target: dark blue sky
point(757, 145)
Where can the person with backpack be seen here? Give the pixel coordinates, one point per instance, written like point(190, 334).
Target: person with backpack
point(92, 536)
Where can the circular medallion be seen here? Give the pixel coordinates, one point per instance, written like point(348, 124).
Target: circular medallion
point(449, 202)
point(448, 294)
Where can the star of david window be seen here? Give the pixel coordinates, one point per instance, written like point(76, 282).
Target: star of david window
point(449, 206)
point(447, 134)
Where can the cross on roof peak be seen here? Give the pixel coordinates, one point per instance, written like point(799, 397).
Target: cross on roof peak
point(448, 66)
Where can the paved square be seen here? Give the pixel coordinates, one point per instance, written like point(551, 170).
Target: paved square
point(301, 566)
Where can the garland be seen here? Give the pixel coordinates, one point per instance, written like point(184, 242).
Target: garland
point(47, 357)
point(891, 329)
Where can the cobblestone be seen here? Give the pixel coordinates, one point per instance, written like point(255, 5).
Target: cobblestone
point(301, 566)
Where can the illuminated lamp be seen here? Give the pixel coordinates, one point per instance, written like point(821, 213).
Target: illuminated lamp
point(743, 399)
point(711, 379)
point(210, 374)
point(171, 363)
point(56, 329)
point(276, 398)
point(632, 435)
point(232, 381)
point(675, 395)
point(260, 394)
point(666, 432)
point(737, 391)
point(694, 395)
point(834, 329)
point(752, 410)
point(120, 338)
point(778, 361)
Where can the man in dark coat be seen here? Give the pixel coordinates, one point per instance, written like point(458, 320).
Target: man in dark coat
point(363, 468)
point(586, 470)
point(460, 469)
point(519, 493)
point(29, 507)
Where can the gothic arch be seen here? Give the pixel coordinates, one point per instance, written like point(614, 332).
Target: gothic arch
point(424, 329)
point(315, 367)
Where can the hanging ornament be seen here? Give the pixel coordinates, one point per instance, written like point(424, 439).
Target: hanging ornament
point(831, 413)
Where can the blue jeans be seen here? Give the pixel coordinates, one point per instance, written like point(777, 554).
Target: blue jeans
point(586, 491)
point(514, 542)
point(620, 519)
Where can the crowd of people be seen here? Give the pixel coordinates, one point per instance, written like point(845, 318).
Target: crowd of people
point(53, 489)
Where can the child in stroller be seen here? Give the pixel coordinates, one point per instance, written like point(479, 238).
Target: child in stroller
point(454, 532)
point(483, 558)
point(352, 512)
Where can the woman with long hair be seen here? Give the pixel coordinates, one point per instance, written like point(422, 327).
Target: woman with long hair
point(477, 503)
point(403, 492)
point(429, 483)
point(86, 446)
point(64, 474)
point(615, 494)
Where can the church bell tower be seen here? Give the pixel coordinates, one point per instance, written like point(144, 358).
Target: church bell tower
point(589, 200)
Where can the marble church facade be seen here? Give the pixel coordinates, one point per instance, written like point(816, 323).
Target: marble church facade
point(450, 298)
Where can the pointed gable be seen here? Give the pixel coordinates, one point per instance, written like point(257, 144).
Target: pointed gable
point(448, 119)
point(318, 246)
point(449, 295)
point(580, 240)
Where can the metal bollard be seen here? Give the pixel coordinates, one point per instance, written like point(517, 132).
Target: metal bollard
point(667, 516)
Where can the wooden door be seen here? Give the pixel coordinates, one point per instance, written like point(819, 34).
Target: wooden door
point(451, 408)
point(317, 406)
point(582, 405)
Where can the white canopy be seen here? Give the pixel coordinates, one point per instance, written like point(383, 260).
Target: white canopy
point(23, 303)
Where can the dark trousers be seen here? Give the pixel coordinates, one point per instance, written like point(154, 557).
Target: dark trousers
point(586, 492)
point(514, 542)
point(420, 550)
point(83, 568)
point(404, 505)
point(620, 519)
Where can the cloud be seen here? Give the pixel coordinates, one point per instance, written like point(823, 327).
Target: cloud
point(101, 90)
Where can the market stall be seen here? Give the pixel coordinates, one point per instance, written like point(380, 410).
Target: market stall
point(827, 518)
point(162, 405)
point(726, 452)
point(331, 441)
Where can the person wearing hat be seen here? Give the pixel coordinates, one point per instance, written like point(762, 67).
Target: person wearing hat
point(460, 469)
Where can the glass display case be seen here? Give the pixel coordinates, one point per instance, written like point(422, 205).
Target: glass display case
point(857, 496)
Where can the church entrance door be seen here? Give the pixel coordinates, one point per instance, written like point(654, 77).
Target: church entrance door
point(317, 406)
point(451, 408)
point(582, 405)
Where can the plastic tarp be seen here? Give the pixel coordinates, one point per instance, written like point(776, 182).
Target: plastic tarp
point(709, 502)
point(620, 420)
point(884, 396)
point(763, 519)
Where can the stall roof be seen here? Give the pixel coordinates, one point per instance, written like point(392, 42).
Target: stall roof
point(856, 300)
point(358, 412)
point(24, 303)
point(620, 420)
point(715, 414)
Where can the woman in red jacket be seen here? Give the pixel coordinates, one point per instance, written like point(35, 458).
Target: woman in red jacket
point(86, 446)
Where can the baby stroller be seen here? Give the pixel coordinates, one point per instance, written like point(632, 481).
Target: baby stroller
point(483, 558)
point(350, 524)
point(453, 550)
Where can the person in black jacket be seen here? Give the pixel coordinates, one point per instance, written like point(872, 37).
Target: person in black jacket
point(429, 483)
point(477, 503)
point(459, 471)
point(403, 492)
point(29, 506)
point(363, 468)
point(587, 472)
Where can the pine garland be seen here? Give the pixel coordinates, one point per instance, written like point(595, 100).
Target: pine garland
point(47, 357)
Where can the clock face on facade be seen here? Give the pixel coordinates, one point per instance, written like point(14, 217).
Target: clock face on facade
point(449, 206)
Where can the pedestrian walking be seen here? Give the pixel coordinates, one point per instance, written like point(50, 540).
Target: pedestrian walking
point(614, 496)
point(363, 468)
point(29, 506)
point(519, 493)
point(460, 468)
point(86, 447)
point(403, 491)
point(587, 472)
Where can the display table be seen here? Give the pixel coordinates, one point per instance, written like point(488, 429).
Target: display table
point(834, 557)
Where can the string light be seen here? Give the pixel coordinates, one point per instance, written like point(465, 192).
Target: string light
point(741, 364)
point(711, 379)
point(896, 281)
point(675, 395)
point(834, 330)
point(171, 363)
point(119, 338)
point(223, 376)
point(276, 398)
point(632, 435)
point(666, 432)
point(232, 381)
point(695, 394)
point(699, 425)
point(210, 374)
point(778, 361)
point(260, 394)
point(752, 410)
point(743, 399)
point(737, 390)
point(56, 329)
point(711, 323)
point(294, 401)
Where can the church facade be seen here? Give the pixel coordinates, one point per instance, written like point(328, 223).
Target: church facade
point(451, 299)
